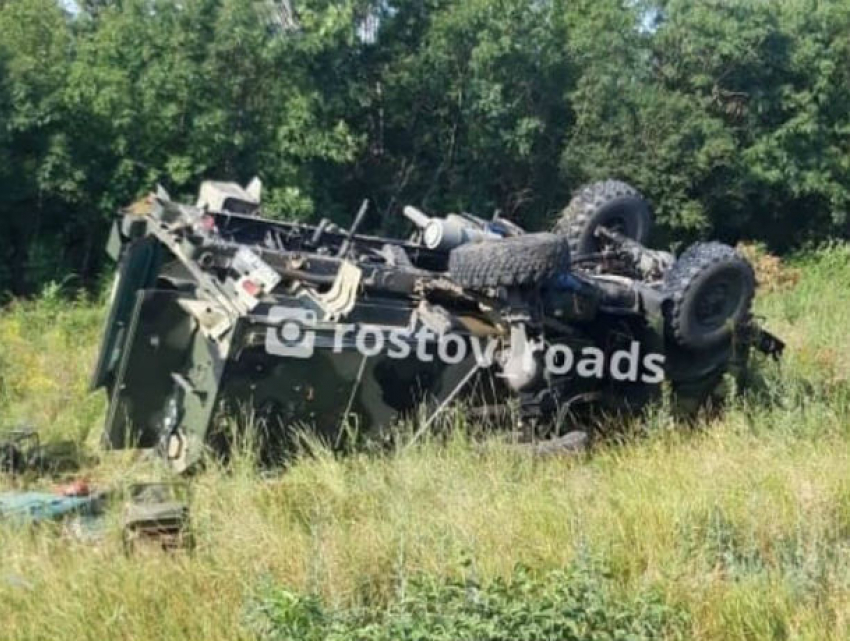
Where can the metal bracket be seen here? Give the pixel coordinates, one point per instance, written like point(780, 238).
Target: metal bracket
point(340, 299)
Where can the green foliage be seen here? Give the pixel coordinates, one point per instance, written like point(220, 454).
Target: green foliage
point(731, 116)
point(469, 111)
point(108, 103)
point(576, 604)
point(727, 117)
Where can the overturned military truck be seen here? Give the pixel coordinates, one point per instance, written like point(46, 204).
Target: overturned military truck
point(219, 311)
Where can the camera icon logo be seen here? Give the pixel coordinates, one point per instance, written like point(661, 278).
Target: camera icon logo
point(291, 332)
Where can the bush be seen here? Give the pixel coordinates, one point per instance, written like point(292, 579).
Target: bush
point(578, 603)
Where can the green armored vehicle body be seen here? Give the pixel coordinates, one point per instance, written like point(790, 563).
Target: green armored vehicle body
point(219, 311)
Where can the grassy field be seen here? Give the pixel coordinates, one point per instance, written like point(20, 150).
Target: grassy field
point(736, 528)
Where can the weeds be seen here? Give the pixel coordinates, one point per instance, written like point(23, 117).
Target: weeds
point(735, 527)
point(575, 604)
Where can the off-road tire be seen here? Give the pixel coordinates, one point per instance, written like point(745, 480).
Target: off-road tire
point(610, 203)
point(516, 261)
point(711, 289)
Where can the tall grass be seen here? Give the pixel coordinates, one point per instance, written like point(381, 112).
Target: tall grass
point(47, 349)
point(741, 523)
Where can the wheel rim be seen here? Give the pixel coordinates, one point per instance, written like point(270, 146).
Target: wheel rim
point(617, 220)
point(719, 301)
point(617, 225)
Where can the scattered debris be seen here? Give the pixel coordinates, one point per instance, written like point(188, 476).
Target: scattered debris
point(153, 513)
point(158, 514)
point(21, 451)
point(16, 447)
point(33, 507)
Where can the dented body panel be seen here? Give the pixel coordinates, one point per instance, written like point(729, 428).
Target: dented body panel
point(221, 317)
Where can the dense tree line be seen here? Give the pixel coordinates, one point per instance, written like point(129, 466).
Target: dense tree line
point(733, 116)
